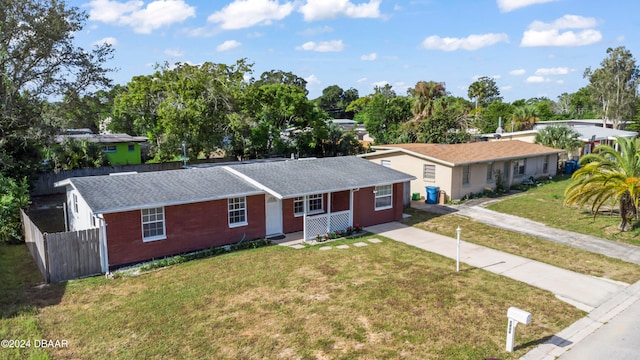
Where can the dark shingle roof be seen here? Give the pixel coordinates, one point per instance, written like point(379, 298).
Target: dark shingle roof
point(310, 176)
point(114, 193)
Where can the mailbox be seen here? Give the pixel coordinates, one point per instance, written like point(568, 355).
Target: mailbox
point(519, 315)
point(516, 316)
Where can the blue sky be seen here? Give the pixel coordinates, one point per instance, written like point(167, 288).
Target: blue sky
point(531, 48)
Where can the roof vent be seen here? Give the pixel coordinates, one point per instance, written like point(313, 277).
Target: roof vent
point(499, 130)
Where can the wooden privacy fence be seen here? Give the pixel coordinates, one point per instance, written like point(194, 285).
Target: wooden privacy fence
point(63, 256)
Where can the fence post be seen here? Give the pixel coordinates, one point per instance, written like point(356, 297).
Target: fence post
point(47, 267)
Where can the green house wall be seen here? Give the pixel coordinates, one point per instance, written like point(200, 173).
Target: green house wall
point(122, 155)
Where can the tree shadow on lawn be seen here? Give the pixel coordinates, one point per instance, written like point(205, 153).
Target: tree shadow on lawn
point(420, 215)
point(22, 287)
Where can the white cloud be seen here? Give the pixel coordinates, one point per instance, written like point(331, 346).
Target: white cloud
point(330, 9)
point(201, 32)
point(361, 80)
point(108, 40)
point(143, 20)
point(380, 84)
point(312, 79)
point(510, 5)
point(111, 11)
point(369, 57)
point(247, 13)
point(323, 46)
point(255, 35)
point(470, 43)
point(551, 34)
point(517, 72)
point(560, 82)
point(228, 45)
point(317, 30)
point(506, 88)
point(536, 79)
point(174, 52)
point(553, 71)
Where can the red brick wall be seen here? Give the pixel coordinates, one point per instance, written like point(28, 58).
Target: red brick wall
point(290, 223)
point(188, 227)
point(364, 203)
point(340, 201)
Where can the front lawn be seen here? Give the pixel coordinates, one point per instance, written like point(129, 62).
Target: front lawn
point(386, 300)
point(544, 204)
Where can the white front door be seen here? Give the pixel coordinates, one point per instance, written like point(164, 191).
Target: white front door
point(274, 215)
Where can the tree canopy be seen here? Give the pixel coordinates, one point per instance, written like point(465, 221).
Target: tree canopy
point(484, 91)
point(38, 60)
point(614, 85)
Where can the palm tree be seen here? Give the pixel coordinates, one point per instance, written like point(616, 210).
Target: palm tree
point(559, 137)
point(424, 95)
point(524, 117)
point(608, 177)
point(476, 91)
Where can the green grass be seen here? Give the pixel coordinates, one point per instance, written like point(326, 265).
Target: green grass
point(386, 300)
point(544, 204)
point(18, 307)
point(552, 253)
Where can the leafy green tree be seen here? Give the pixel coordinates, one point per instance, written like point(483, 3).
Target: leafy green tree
point(544, 108)
point(196, 104)
point(484, 91)
point(583, 105)
point(384, 113)
point(279, 117)
point(135, 110)
point(334, 101)
point(608, 177)
point(488, 122)
point(183, 103)
point(14, 195)
point(283, 78)
point(38, 59)
point(448, 124)
point(614, 85)
point(559, 137)
point(89, 111)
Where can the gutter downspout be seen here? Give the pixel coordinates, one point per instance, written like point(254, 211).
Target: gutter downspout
point(104, 252)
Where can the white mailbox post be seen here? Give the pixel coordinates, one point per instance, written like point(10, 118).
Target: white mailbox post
point(515, 316)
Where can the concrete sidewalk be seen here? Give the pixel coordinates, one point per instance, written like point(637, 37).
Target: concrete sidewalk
point(583, 291)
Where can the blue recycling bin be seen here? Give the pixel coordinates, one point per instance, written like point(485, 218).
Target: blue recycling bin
point(570, 166)
point(432, 194)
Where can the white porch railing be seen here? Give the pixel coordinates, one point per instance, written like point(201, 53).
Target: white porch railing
point(326, 223)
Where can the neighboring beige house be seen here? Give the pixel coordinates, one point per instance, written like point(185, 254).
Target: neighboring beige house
point(463, 169)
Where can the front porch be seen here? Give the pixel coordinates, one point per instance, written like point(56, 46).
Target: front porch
point(336, 216)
